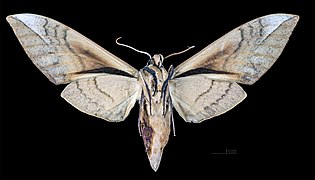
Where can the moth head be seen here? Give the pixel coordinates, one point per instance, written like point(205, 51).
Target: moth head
point(157, 60)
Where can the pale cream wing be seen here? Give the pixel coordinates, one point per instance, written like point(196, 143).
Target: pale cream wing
point(61, 53)
point(247, 51)
point(199, 97)
point(110, 97)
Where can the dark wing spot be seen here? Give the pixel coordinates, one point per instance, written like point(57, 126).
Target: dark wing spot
point(209, 110)
point(108, 70)
point(202, 71)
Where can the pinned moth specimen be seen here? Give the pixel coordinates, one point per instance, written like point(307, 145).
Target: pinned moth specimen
point(202, 87)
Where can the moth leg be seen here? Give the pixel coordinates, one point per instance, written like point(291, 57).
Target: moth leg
point(139, 123)
point(172, 119)
point(139, 127)
point(173, 125)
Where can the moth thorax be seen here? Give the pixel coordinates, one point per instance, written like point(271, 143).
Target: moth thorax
point(158, 60)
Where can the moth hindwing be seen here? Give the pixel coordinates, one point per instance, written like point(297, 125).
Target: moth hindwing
point(202, 87)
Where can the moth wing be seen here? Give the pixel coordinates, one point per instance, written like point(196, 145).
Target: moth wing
point(200, 97)
point(61, 53)
point(110, 97)
point(247, 51)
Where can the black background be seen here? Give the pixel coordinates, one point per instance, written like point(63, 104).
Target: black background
point(42, 136)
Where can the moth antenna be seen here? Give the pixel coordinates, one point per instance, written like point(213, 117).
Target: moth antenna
point(143, 52)
point(177, 53)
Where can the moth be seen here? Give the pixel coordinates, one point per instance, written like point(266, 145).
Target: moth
point(200, 88)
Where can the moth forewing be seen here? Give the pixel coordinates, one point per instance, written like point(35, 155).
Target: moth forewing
point(61, 53)
point(249, 50)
